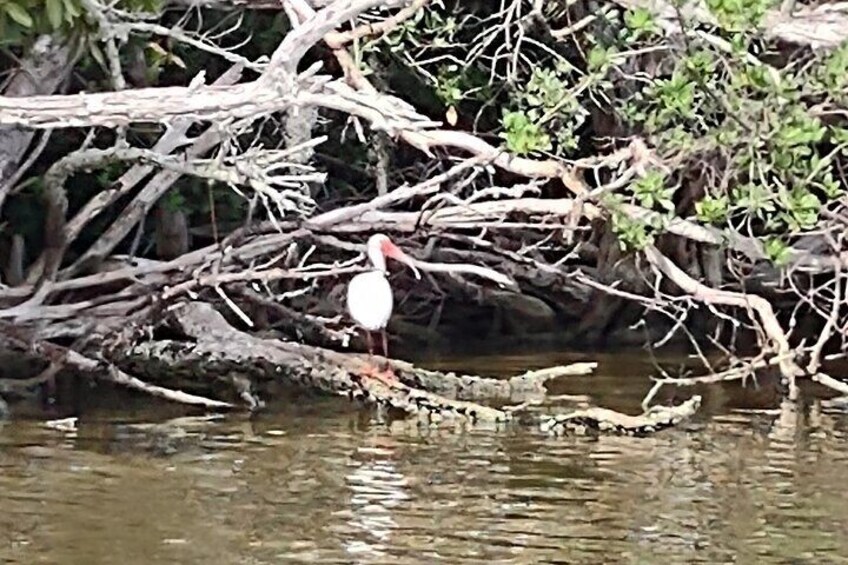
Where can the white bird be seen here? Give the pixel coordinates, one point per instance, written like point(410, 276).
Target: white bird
point(369, 295)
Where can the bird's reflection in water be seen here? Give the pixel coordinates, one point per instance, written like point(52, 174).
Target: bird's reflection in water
point(377, 488)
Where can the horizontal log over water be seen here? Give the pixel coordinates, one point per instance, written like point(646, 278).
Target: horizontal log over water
point(608, 421)
point(216, 350)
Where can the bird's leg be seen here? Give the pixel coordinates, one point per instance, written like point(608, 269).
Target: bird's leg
point(370, 341)
point(372, 365)
point(388, 369)
point(372, 369)
point(385, 345)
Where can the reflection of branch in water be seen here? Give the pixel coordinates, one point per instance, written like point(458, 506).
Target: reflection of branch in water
point(377, 488)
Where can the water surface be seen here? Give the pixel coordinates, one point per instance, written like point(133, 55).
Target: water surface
point(315, 481)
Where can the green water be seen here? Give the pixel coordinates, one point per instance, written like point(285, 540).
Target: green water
point(316, 481)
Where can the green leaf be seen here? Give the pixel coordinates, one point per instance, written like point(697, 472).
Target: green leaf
point(17, 13)
point(639, 19)
point(712, 209)
point(598, 58)
point(71, 10)
point(522, 135)
point(777, 251)
point(54, 13)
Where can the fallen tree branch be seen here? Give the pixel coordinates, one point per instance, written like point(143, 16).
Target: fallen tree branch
point(219, 348)
point(117, 376)
point(608, 421)
point(60, 357)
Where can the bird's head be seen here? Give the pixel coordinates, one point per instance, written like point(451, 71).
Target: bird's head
point(380, 247)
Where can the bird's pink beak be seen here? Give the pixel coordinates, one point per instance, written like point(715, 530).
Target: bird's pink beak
point(389, 249)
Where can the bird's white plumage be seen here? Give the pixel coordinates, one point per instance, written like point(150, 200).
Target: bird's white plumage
point(369, 300)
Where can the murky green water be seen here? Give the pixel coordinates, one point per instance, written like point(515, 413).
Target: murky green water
point(316, 482)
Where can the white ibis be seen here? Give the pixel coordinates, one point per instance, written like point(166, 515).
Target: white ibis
point(369, 295)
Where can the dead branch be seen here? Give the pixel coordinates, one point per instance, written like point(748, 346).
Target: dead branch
point(218, 343)
point(60, 357)
point(277, 89)
point(831, 383)
point(253, 170)
point(337, 40)
point(840, 300)
point(604, 420)
point(115, 375)
point(173, 138)
point(702, 293)
point(400, 194)
point(44, 68)
point(218, 346)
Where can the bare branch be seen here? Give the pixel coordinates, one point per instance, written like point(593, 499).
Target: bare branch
point(707, 295)
point(117, 376)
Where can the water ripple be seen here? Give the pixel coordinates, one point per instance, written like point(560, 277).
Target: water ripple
point(746, 487)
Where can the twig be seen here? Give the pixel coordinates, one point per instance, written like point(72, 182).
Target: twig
point(760, 305)
point(839, 300)
point(7, 187)
point(337, 40)
point(399, 194)
point(464, 268)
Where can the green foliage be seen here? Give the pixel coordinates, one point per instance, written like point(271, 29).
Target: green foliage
point(640, 22)
point(522, 135)
point(723, 106)
point(545, 89)
point(449, 85)
point(712, 210)
point(777, 250)
point(650, 191)
point(599, 59)
point(739, 14)
point(633, 234)
point(547, 114)
point(22, 20)
point(674, 99)
point(800, 209)
point(832, 74)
